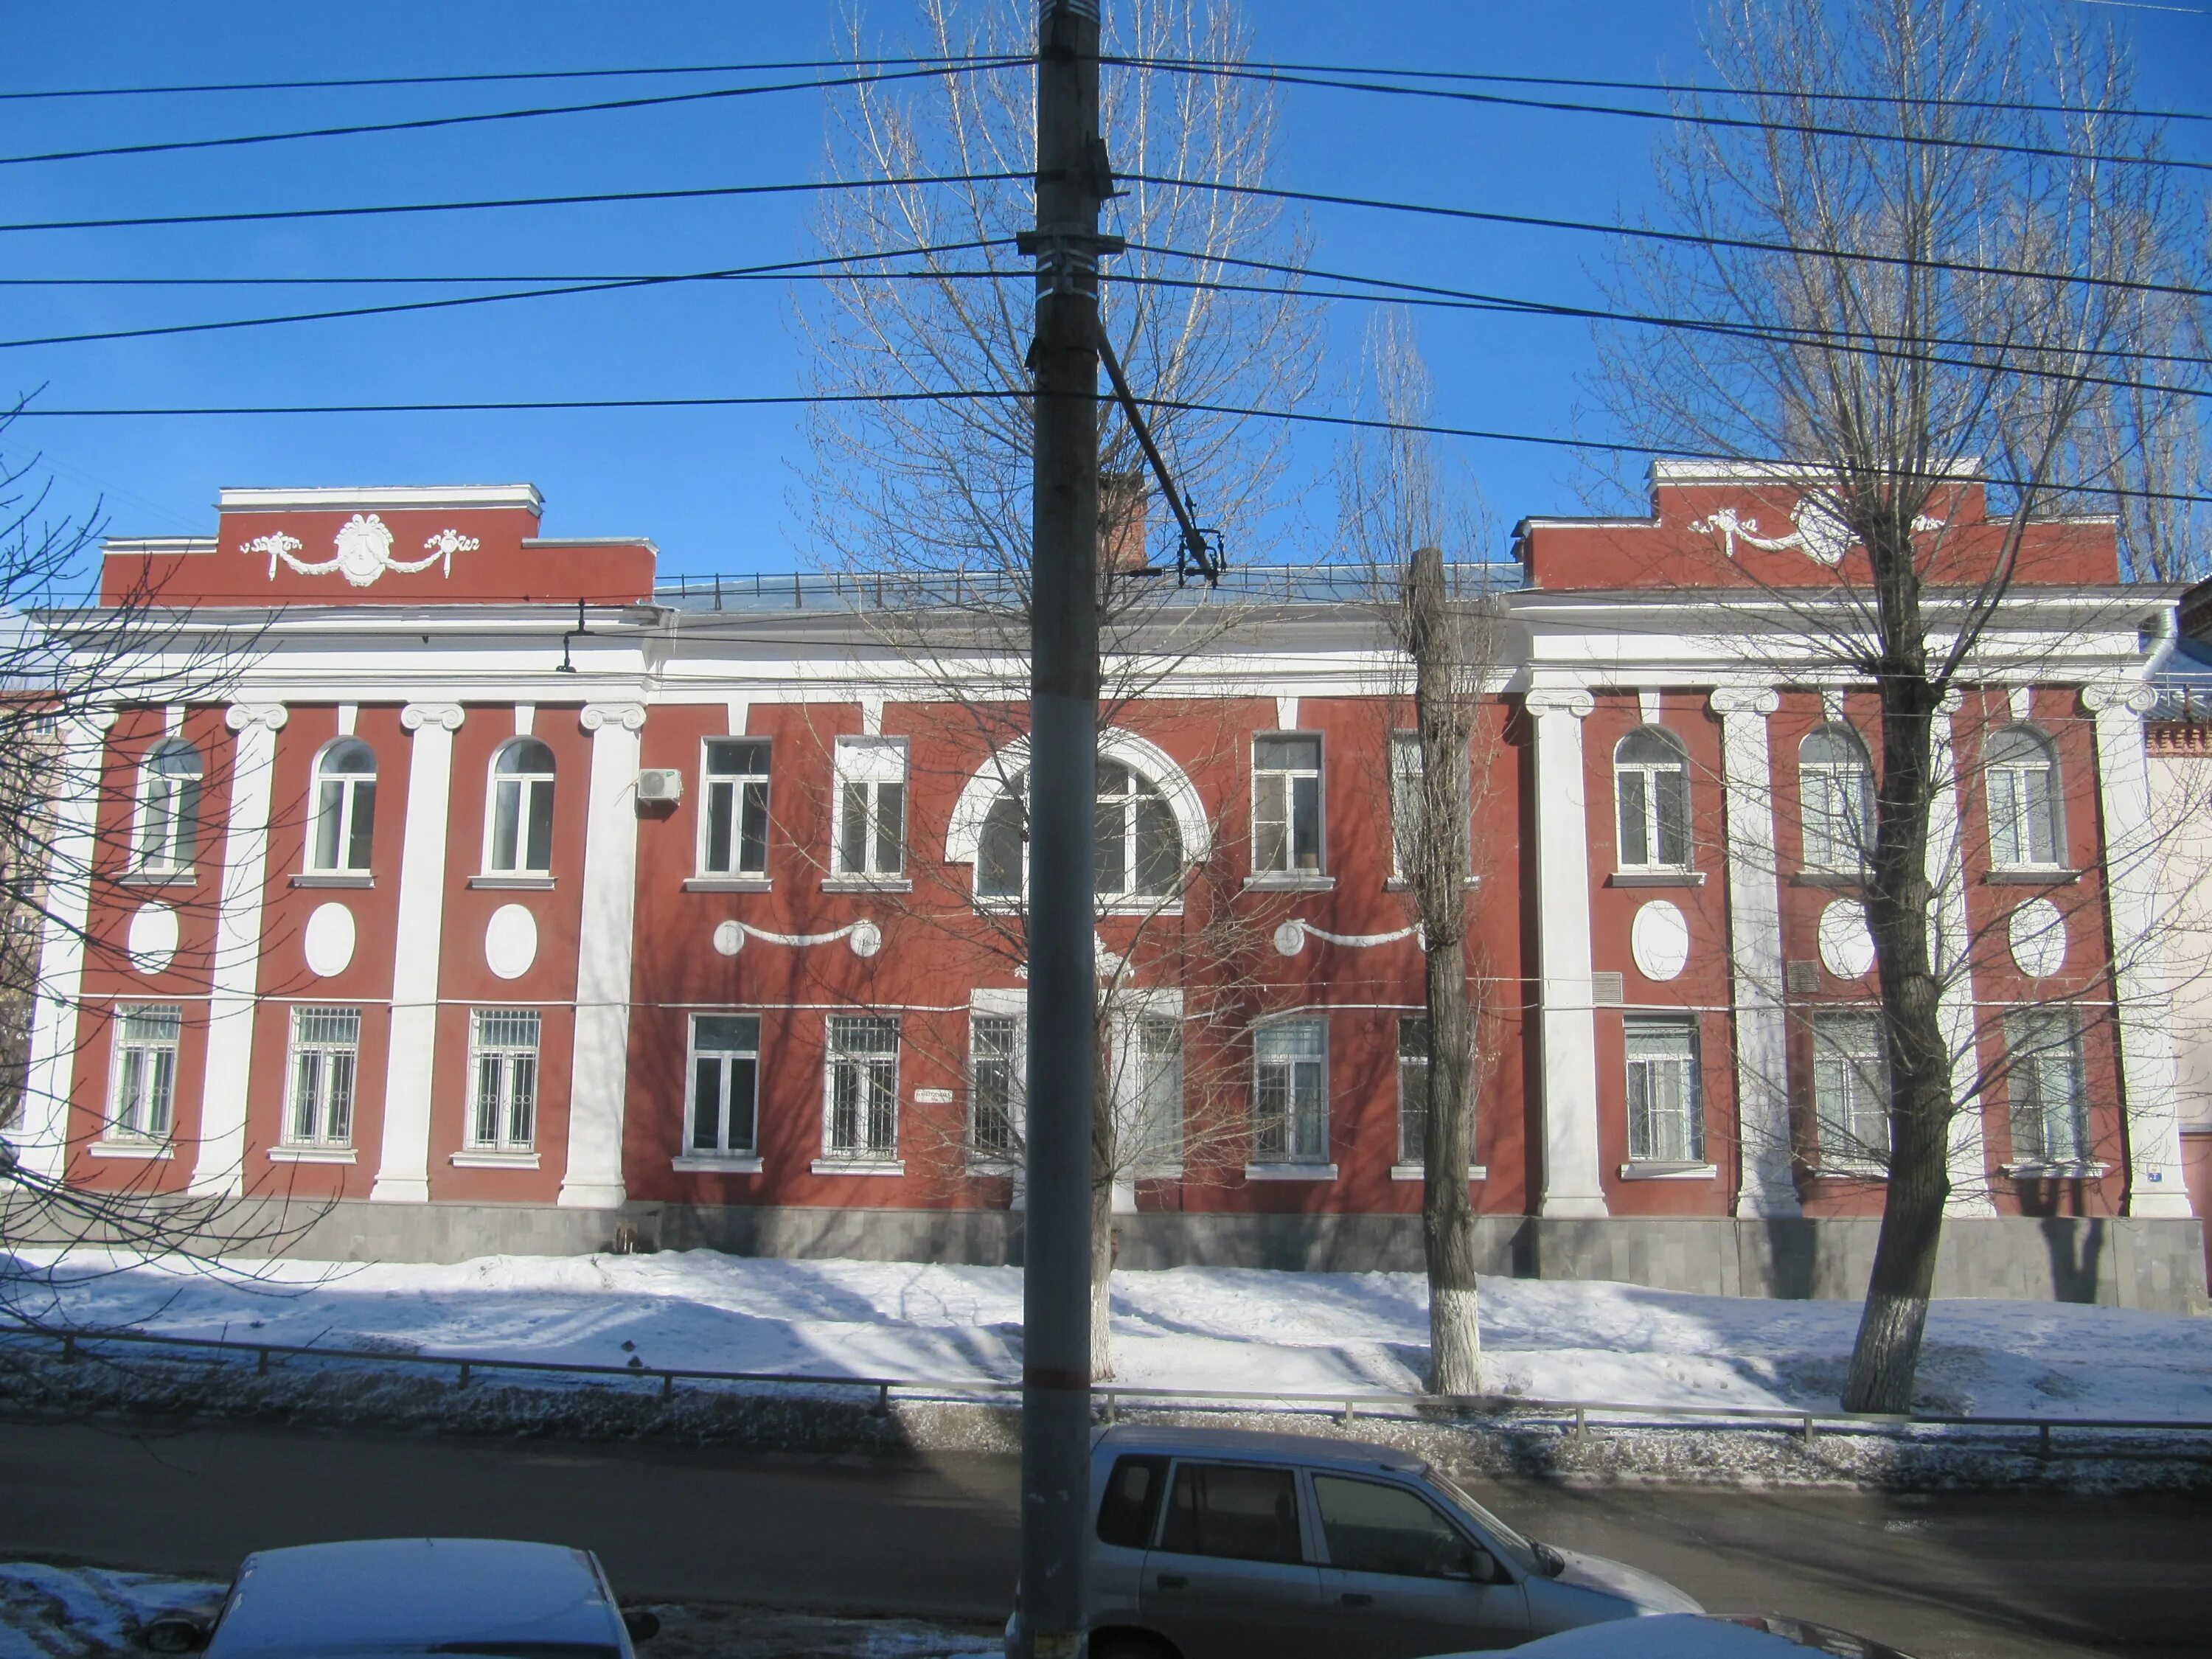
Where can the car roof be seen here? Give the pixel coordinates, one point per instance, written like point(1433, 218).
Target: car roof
point(1258, 1444)
point(400, 1594)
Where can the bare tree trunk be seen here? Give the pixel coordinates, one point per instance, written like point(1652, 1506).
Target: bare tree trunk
point(1103, 1168)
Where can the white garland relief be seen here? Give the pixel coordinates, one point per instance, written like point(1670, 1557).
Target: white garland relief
point(864, 938)
point(364, 551)
point(1817, 533)
point(1291, 938)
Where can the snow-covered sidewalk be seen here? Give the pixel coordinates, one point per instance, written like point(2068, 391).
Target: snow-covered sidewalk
point(1196, 1328)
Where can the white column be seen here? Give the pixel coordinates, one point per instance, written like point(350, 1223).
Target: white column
point(1571, 1185)
point(2142, 984)
point(1954, 1007)
point(601, 1075)
point(1755, 971)
point(402, 1169)
point(43, 1142)
point(234, 979)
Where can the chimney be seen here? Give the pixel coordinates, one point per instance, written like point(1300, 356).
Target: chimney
point(1122, 503)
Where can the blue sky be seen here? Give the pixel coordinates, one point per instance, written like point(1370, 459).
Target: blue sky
point(715, 487)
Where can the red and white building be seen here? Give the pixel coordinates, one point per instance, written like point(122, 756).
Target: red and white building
point(506, 900)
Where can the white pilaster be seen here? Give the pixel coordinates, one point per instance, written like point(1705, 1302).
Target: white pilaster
point(1755, 971)
point(234, 981)
point(2142, 984)
point(43, 1142)
point(600, 1076)
point(1954, 1008)
point(1571, 1185)
point(403, 1168)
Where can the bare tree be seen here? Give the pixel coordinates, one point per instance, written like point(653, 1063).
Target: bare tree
point(1911, 251)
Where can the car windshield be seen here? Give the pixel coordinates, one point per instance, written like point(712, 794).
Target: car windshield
point(1519, 1547)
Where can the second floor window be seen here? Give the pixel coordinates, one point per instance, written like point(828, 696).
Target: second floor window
point(1851, 1088)
point(862, 1089)
point(168, 807)
point(325, 1056)
point(503, 1079)
point(736, 819)
point(1286, 835)
point(871, 806)
point(2022, 770)
point(345, 808)
point(1666, 1116)
point(1290, 1103)
point(1140, 852)
point(521, 843)
point(1651, 785)
point(143, 1090)
point(1835, 785)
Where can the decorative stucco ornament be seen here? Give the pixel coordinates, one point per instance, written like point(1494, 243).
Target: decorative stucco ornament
point(1819, 534)
point(364, 551)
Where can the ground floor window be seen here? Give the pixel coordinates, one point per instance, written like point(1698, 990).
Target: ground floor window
point(324, 1059)
point(994, 1087)
point(2049, 1101)
point(1851, 1087)
point(1413, 1089)
point(1290, 1103)
point(862, 1089)
point(1666, 1112)
point(143, 1092)
point(724, 1085)
point(503, 1070)
point(1150, 1085)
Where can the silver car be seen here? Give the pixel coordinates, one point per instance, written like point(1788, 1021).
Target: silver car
point(1224, 1544)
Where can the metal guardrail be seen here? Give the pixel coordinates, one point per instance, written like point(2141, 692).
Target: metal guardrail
point(989, 590)
point(1345, 1407)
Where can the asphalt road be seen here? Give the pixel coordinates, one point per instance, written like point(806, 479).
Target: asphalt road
point(1953, 1577)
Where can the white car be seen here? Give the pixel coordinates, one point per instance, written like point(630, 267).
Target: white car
point(486, 1597)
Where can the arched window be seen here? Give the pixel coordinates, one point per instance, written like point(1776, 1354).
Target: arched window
point(345, 808)
point(2022, 768)
point(168, 806)
point(1651, 787)
point(522, 840)
point(1138, 850)
point(1835, 785)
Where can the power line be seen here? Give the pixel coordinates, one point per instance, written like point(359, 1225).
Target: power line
point(1648, 233)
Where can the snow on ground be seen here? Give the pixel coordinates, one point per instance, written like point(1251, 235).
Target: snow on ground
point(81, 1612)
point(1209, 1327)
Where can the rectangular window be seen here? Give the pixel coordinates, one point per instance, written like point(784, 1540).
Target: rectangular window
point(1666, 1112)
point(2049, 1102)
point(724, 1085)
point(1289, 1107)
point(736, 815)
point(1406, 775)
point(143, 1090)
point(1285, 805)
point(1151, 1081)
point(325, 1057)
point(1851, 1088)
point(1839, 813)
point(503, 1074)
point(871, 806)
point(862, 1106)
point(994, 1087)
point(1412, 1088)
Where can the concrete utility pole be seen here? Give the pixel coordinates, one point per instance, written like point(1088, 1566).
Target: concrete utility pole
point(1071, 177)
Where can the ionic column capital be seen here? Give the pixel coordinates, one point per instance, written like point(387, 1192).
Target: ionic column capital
point(240, 716)
point(631, 716)
point(1760, 700)
point(1560, 700)
point(416, 715)
point(2119, 696)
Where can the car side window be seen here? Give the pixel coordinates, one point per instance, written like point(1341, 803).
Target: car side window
point(1372, 1527)
point(1233, 1510)
point(1132, 1501)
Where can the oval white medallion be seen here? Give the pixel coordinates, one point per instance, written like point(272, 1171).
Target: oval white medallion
point(329, 939)
point(152, 941)
point(2037, 932)
point(510, 941)
point(1660, 940)
point(729, 938)
point(866, 939)
point(1846, 947)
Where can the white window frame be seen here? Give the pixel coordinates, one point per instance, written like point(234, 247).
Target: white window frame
point(141, 1074)
point(1413, 1154)
point(1823, 850)
point(1646, 1073)
point(727, 1056)
point(322, 1077)
point(181, 796)
point(1652, 778)
point(339, 796)
point(1005, 1016)
point(1276, 1141)
point(1148, 1102)
point(875, 1073)
point(745, 797)
point(1131, 804)
point(1859, 1072)
point(531, 788)
point(1406, 773)
point(2038, 1062)
point(2015, 812)
point(865, 768)
point(1275, 792)
point(518, 1088)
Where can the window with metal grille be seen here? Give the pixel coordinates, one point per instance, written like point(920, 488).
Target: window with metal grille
point(520, 833)
point(1149, 1082)
point(1290, 1106)
point(2044, 1077)
point(324, 1060)
point(735, 821)
point(2021, 769)
point(1412, 1088)
point(861, 1090)
point(168, 808)
point(340, 839)
point(1665, 1115)
point(1651, 787)
point(143, 1087)
point(503, 1070)
point(1851, 1087)
point(1286, 832)
point(871, 806)
point(1835, 793)
point(994, 1086)
point(724, 1085)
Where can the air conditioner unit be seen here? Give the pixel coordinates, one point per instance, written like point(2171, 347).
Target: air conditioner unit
point(659, 783)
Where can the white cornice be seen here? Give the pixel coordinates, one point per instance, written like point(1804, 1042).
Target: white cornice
point(393, 497)
point(157, 546)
